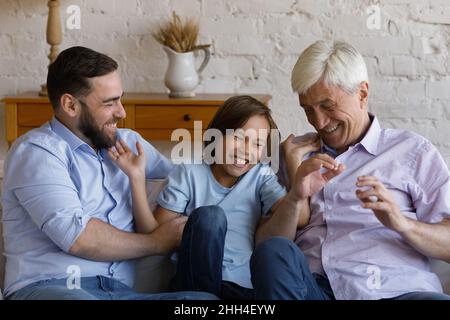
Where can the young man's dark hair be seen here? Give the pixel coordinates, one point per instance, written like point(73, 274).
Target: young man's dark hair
point(71, 70)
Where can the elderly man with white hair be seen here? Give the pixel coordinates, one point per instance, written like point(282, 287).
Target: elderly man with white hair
point(386, 211)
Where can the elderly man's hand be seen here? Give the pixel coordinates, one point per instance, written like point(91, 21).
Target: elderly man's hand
point(380, 201)
point(309, 178)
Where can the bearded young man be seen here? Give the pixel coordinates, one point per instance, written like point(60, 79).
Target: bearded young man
point(66, 205)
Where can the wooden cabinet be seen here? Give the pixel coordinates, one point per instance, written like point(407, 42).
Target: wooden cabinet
point(154, 116)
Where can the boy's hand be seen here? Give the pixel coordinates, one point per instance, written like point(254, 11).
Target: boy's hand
point(133, 165)
point(295, 148)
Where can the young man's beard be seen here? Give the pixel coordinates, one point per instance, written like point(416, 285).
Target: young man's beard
point(89, 128)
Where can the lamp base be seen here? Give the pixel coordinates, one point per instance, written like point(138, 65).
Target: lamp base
point(43, 92)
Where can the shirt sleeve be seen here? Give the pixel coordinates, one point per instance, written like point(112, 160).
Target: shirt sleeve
point(431, 194)
point(271, 190)
point(176, 194)
point(39, 178)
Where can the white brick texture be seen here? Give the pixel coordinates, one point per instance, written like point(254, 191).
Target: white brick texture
point(255, 44)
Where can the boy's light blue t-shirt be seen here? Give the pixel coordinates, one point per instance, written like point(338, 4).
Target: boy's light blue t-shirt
point(193, 185)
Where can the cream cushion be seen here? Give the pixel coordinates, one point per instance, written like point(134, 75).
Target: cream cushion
point(153, 274)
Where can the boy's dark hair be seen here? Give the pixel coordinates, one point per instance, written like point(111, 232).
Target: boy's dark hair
point(236, 111)
point(71, 70)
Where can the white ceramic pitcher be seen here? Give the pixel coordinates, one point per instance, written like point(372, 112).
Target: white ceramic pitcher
point(181, 76)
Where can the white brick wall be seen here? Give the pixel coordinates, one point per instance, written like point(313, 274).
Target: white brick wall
point(255, 44)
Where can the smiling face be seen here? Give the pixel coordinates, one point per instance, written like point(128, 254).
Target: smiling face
point(241, 150)
point(340, 119)
point(100, 111)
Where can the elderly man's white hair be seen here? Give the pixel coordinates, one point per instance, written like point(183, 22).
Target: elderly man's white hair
point(335, 63)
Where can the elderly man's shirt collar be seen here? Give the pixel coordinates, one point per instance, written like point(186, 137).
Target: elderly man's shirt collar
point(369, 142)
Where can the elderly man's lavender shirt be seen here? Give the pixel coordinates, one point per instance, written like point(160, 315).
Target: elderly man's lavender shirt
point(362, 258)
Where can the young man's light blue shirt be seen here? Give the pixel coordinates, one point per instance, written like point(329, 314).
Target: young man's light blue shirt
point(54, 183)
point(193, 186)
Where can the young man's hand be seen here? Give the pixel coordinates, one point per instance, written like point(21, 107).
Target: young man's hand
point(168, 235)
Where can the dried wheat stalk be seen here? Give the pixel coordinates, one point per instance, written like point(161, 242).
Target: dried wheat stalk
point(179, 36)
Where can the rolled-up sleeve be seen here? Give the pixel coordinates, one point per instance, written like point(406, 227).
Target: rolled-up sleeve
point(176, 195)
point(42, 185)
point(431, 194)
point(271, 190)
